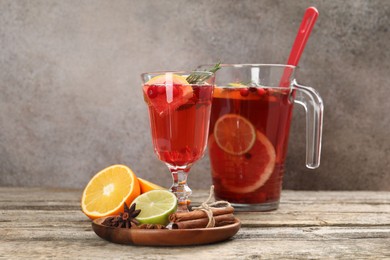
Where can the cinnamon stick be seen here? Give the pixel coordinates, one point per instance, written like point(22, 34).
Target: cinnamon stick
point(197, 214)
point(220, 220)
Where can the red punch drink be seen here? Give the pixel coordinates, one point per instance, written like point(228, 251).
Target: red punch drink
point(179, 105)
point(249, 129)
point(189, 112)
point(248, 142)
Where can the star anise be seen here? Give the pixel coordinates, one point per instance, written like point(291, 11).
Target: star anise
point(125, 219)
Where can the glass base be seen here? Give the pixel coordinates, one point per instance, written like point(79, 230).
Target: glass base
point(256, 207)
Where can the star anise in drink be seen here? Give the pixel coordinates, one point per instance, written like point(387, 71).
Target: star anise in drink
point(125, 219)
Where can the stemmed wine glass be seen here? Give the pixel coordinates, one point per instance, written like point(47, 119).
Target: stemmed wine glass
point(179, 105)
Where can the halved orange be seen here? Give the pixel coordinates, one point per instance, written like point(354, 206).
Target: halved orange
point(243, 173)
point(107, 191)
point(234, 134)
point(148, 186)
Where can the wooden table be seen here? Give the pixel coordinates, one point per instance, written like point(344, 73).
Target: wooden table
point(48, 223)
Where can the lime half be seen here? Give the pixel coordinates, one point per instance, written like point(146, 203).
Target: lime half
point(155, 206)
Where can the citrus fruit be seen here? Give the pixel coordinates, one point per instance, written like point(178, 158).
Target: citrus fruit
point(234, 134)
point(163, 92)
point(235, 91)
point(155, 206)
point(148, 186)
point(237, 85)
point(242, 173)
point(163, 79)
point(106, 192)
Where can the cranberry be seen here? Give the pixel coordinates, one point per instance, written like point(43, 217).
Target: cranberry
point(252, 89)
point(244, 92)
point(268, 91)
point(161, 90)
point(152, 91)
point(247, 155)
point(261, 91)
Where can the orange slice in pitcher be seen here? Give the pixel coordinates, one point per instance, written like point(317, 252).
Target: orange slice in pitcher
point(234, 134)
point(234, 92)
point(243, 173)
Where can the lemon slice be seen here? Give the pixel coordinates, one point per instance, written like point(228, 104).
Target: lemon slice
point(156, 206)
point(237, 85)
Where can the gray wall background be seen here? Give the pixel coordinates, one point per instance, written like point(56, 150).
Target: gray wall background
point(71, 103)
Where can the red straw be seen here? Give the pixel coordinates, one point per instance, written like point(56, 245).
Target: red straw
point(303, 34)
point(307, 24)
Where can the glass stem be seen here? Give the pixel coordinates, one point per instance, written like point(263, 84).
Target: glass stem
point(181, 189)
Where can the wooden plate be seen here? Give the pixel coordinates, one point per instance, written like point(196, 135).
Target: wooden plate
point(165, 237)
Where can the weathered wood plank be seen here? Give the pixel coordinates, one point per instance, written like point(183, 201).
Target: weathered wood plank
point(348, 225)
point(39, 217)
point(291, 200)
point(27, 194)
point(285, 248)
point(82, 231)
point(43, 194)
point(296, 209)
point(314, 219)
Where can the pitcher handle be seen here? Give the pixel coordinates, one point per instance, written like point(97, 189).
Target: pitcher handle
point(313, 104)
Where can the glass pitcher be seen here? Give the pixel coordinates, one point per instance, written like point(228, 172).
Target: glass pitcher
point(249, 129)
